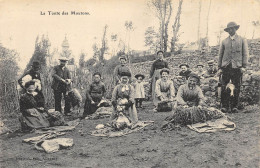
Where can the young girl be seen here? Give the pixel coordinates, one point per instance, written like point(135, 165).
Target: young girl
point(139, 90)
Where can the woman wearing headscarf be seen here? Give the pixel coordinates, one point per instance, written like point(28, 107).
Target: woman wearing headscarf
point(159, 64)
point(95, 93)
point(32, 109)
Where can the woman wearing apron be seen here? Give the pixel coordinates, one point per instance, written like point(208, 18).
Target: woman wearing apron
point(159, 64)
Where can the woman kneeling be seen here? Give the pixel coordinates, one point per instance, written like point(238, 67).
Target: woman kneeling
point(32, 109)
point(123, 99)
point(165, 92)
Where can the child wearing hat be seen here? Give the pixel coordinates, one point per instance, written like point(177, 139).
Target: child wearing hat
point(139, 93)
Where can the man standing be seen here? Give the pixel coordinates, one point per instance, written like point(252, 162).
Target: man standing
point(61, 81)
point(232, 62)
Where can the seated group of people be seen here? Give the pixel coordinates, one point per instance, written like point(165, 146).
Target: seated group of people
point(34, 115)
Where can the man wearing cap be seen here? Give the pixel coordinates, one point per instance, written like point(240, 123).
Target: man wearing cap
point(33, 73)
point(190, 94)
point(185, 72)
point(61, 81)
point(233, 54)
point(200, 72)
point(122, 68)
point(211, 72)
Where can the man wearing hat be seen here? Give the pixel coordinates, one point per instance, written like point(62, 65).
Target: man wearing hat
point(233, 55)
point(185, 72)
point(60, 85)
point(211, 72)
point(122, 68)
point(33, 73)
point(190, 94)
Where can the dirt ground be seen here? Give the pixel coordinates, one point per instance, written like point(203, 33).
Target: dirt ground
point(148, 148)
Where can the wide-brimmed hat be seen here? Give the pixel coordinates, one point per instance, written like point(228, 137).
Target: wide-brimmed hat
point(230, 25)
point(139, 75)
point(211, 62)
point(63, 59)
point(160, 51)
point(164, 70)
point(128, 74)
point(193, 75)
point(184, 65)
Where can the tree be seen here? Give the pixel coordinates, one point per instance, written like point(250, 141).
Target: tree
point(255, 24)
point(219, 34)
point(114, 39)
point(129, 28)
point(163, 11)
point(176, 26)
point(199, 25)
point(151, 39)
point(82, 60)
point(104, 45)
point(8, 65)
point(96, 51)
point(207, 32)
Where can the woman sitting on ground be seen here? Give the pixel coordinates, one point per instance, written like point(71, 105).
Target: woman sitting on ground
point(164, 88)
point(95, 93)
point(123, 94)
point(190, 94)
point(32, 109)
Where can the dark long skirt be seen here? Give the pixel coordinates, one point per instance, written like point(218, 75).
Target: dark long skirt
point(29, 122)
point(91, 108)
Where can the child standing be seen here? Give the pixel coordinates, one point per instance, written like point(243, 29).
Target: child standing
point(139, 93)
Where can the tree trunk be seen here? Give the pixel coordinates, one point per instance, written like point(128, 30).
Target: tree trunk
point(104, 45)
point(167, 4)
point(199, 25)
point(207, 33)
point(176, 27)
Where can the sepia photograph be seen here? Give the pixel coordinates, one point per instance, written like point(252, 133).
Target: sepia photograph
point(130, 83)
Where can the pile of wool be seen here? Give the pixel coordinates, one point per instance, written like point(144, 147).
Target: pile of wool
point(191, 115)
point(75, 97)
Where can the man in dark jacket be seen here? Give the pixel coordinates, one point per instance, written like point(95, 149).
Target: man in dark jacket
point(185, 72)
point(61, 81)
point(233, 54)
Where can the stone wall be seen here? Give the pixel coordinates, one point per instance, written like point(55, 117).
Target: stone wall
point(193, 58)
